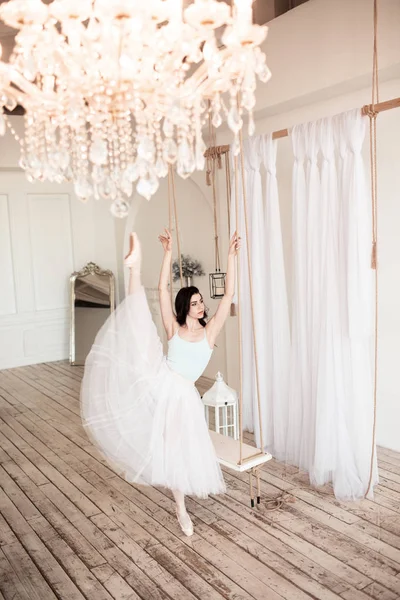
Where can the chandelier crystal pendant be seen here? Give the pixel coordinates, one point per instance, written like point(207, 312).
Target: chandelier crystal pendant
point(115, 91)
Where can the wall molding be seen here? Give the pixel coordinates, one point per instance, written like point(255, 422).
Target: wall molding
point(35, 318)
point(34, 340)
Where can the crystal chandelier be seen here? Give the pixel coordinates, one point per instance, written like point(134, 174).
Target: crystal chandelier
point(115, 91)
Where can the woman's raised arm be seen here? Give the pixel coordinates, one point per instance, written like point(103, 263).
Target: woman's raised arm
point(217, 322)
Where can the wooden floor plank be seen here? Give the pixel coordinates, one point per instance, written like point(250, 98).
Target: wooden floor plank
point(51, 435)
point(79, 574)
point(143, 528)
point(53, 572)
point(284, 528)
point(15, 455)
point(149, 578)
point(276, 559)
point(326, 561)
point(35, 552)
point(118, 587)
point(61, 475)
point(74, 373)
point(71, 534)
point(59, 394)
point(325, 505)
point(278, 555)
point(28, 573)
point(100, 537)
point(114, 554)
point(10, 584)
point(342, 545)
point(225, 565)
point(30, 397)
point(6, 534)
point(21, 435)
point(389, 456)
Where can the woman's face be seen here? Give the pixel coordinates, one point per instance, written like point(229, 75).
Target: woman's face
point(196, 307)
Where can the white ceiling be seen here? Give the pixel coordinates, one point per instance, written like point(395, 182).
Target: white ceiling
point(264, 10)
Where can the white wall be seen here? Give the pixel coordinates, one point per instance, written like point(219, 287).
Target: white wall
point(45, 235)
point(323, 49)
point(320, 55)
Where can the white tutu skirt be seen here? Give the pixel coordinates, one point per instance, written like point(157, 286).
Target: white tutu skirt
point(147, 420)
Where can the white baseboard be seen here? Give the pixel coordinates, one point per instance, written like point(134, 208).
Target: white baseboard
point(24, 361)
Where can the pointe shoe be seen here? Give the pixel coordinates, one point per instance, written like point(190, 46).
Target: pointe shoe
point(186, 527)
point(134, 256)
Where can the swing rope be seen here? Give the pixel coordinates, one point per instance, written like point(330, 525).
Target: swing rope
point(172, 193)
point(372, 114)
point(170, 225)
point(239, 314)
point(211, 169)
point(245, 207)
point(228, 190)
point(216, 238)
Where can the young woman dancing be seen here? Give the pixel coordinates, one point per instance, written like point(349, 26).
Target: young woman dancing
point(142, 409)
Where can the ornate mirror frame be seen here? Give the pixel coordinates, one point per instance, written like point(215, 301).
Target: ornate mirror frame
point(90, 269)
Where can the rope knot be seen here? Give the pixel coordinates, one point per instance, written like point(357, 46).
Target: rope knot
point(370, 112)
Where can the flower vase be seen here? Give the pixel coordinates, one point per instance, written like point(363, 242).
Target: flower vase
point(188, 281)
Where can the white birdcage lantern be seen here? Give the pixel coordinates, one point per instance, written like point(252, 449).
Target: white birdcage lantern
point(224, 401)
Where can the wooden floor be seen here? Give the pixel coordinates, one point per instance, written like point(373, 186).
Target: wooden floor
point(71, 529)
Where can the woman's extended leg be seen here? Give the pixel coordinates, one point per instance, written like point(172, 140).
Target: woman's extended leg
point(133, 260)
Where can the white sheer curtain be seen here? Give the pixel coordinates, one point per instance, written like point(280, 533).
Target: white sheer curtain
point(269, 296)
point(252, 163)
point(299, 390)
point(331, 394)
point(245, 308)
point(275, 307)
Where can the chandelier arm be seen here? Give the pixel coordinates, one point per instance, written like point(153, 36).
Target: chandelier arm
point(24, 86)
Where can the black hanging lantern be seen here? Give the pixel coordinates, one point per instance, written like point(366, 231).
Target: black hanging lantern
point(217, 284)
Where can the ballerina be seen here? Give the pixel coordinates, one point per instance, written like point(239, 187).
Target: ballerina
point(141, 408)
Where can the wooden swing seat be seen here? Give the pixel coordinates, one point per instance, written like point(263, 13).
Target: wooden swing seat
point(228, 453)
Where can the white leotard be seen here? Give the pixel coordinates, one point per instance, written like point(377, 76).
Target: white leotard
point(189, 359)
